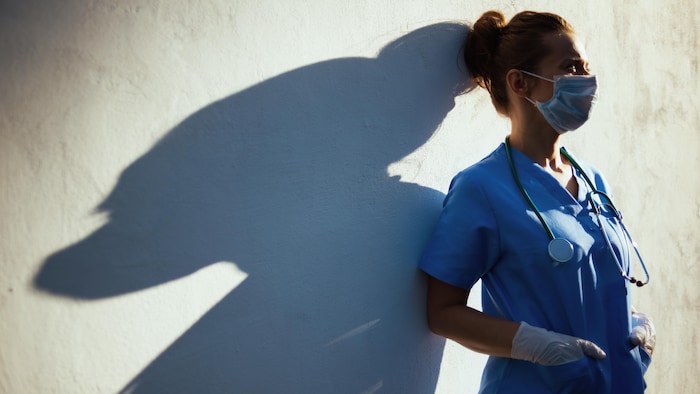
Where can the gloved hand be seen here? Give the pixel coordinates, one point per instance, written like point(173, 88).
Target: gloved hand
point(545, 347)
point(643, 332)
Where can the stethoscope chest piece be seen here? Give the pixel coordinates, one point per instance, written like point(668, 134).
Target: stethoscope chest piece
point(560, 250)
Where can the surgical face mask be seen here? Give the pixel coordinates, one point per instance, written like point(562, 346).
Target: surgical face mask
point(571, 103)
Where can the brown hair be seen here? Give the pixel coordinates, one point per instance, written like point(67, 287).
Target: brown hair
point(494, 47)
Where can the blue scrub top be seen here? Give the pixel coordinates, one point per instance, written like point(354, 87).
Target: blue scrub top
point(488, 231)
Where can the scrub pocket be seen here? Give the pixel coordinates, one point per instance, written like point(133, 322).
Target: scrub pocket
point(578, 376)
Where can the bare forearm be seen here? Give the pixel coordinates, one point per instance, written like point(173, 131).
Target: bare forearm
point(473, 329)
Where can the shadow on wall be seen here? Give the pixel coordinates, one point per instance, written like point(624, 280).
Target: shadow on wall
point(288, 179)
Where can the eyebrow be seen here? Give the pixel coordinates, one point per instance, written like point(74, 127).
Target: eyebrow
point(577, 59)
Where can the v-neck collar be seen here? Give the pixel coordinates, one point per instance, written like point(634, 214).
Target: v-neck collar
point(531, 173)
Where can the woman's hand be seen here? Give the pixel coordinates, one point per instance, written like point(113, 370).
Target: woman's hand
point(545, 347)
point(643, 332)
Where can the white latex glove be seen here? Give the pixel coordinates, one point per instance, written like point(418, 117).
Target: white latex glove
point(545, 347)
point(643, 332)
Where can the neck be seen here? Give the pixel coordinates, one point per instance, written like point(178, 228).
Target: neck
point(539, 150)
point(549, 157)
point(537, 140)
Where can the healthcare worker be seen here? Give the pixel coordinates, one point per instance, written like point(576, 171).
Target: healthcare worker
point(539, 229)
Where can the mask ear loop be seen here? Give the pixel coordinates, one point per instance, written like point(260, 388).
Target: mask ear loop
point(536, 76)
point(533, 102)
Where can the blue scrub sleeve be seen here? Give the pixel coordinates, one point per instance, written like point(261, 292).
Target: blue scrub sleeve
point(465, 243)
point(646, 360)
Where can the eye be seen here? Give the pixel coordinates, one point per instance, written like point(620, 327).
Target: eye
point(576, 67)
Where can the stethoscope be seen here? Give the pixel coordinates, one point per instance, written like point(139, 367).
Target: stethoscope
point(561, 250)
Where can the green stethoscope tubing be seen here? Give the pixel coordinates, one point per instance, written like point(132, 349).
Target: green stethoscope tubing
point(561, 250)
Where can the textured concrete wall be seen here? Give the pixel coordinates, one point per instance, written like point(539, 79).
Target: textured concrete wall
point(231, 196)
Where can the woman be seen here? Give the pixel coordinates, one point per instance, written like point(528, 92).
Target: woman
point(555, 276)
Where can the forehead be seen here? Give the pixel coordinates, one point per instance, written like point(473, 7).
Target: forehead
point(564, 46)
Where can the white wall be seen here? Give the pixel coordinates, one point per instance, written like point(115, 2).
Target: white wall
point(231, 196)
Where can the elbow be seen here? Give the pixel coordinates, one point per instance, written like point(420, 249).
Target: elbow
point(444, 306)
point(435, 324)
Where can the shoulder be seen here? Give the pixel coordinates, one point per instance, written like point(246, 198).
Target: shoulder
point(481, 174)
point(483, 180)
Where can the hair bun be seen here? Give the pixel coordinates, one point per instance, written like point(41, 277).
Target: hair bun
point(481, 46)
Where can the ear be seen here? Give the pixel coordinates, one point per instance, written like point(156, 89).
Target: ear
point(518, 83)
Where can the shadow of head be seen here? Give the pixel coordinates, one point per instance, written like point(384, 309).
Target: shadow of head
point(292, 152)
point(287, 179)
